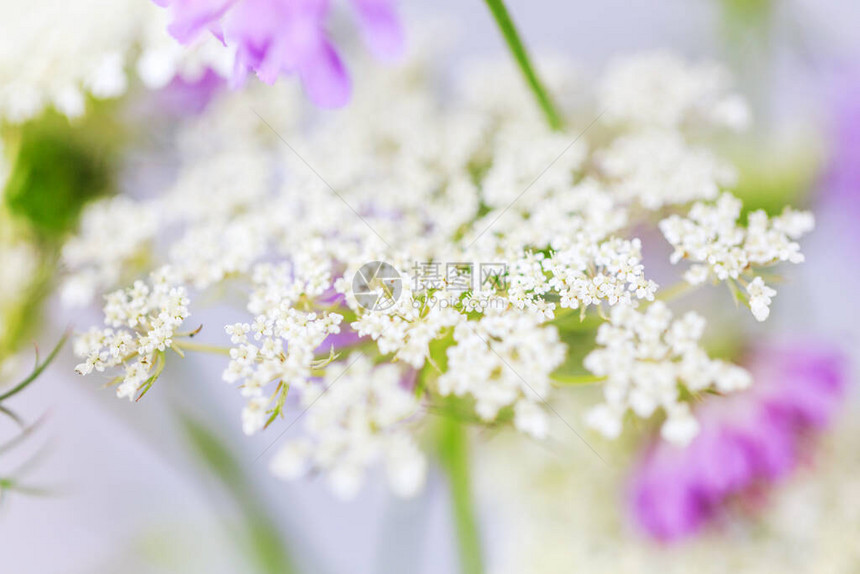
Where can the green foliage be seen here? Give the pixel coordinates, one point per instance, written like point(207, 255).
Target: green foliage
point(37, 370)
point(57, 169)
point(21, 320)
point(770, 182)
point(261, 534)
point(747, 12)
point(518, 51)
point(453, 452)
point(10, 483)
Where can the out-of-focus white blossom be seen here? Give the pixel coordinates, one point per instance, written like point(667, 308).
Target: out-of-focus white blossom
point(807, 524)
point(55, 53)
point(657, 168)
point(113, 233)
point(661, 90)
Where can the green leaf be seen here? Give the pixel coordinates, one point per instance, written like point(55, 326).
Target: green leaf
point(36, 372)
point(262, 535)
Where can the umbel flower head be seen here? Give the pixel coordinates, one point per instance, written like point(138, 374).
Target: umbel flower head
point(286, 37)
point(513, 262)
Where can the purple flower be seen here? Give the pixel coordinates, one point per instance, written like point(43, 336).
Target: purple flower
point(183, 97)
point(381, 29)
point(190, 17)
point(843, 175)
point(748, 440)
point(285, 37)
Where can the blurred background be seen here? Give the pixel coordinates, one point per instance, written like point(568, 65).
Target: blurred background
point(172, 485)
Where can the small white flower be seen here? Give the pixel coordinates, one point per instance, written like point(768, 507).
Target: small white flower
point(531, 419)
point(358, 418)
point(644, 357)
point(291, 460)
point(143, 320)
point(681, 427)
point(606, 420)
point(760, 298)
point(712, 237)
point(254, 415)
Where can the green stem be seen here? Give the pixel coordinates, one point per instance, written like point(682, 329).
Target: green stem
point(518, 50)
point(454, 456)
point(201, 347)
point(36, 371)
point(675, 291)
point(572, 380)
point(264, 541)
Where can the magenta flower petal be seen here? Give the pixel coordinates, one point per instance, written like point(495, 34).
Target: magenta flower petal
point(277, 38)
point(191, 17)
point(283, 37)
point(843, 177)
point(183, 97)
point(381, 28)
point(325, 79)
point(665, 501)
point(746, 441)
point(347, 337)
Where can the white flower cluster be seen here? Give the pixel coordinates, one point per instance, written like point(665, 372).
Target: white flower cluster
point(288, 212)
point(660, 90)
point(278, 346)
point(711, 237)
point(588, 273)
point(113, 232)
point(55, 53)
point(406, 330)
point(502, 361)
point(646, 357)
point(657, 168)
point(359, 414)
point(142, 321)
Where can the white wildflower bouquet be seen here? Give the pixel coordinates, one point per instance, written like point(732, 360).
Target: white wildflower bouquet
point(509, 247)
point(408, 257)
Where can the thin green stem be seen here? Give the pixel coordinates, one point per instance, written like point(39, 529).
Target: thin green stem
point(36, 371)
point(573, 380)
point(675, 291)
point(201, 347)
point(518, 50)
point(270, 553)
point(454, 456)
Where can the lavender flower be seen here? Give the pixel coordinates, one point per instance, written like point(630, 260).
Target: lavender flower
point(844, 173)
point(746, 441)
point(182, 97)
point(284, 37)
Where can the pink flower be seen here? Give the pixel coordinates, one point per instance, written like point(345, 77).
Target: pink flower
point(183, 97)
point(285, 37)
point(747, 441)
point(843, 176)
